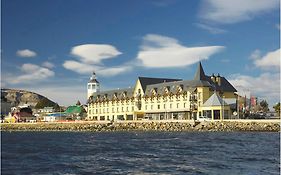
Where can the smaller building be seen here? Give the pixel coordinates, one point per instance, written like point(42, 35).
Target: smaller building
point(53, 117)
point(47, 110)
point(215, 108)
point(75, 112)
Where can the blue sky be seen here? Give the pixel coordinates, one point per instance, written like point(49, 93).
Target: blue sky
point(52, 46)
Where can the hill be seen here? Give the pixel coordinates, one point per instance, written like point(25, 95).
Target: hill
point(21, 97)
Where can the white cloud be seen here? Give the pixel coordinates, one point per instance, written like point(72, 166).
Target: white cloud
point(212, 30)
point(94, 53)
point(269, 61)
point(26, 53)
point(30, 73)
point(90, 58)
point(162, 51)
point(265, 85)
point(233, 11)
point(48, 64)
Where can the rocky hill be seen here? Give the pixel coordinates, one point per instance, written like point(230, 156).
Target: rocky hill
point(21, 97)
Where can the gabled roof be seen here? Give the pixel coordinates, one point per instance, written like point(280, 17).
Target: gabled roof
point(145, 81)
point(215, 100)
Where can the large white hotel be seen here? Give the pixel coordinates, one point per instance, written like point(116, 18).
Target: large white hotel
point(163, 99)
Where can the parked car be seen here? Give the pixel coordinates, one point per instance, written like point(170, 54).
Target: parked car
point(203, 118)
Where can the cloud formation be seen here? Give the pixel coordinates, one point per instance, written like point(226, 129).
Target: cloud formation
point(233, 11)
point(210, 29)
point(30, 73)
point(161, 51)
point(90, 58)
point(48, 64)
point(266, 85)
point(26, 53)
point(94, 53)
point(269, 61)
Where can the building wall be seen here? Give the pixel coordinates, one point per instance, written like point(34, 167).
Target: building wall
point(154, 107)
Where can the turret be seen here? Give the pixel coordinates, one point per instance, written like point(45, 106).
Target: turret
point(93, 85)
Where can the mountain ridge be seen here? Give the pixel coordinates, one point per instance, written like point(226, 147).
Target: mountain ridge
point(21, 97)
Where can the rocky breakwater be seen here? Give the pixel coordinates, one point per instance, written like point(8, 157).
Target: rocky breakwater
point(146, 126)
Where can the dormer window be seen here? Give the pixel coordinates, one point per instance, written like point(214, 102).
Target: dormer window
point(124, 94)
point(167, 89)
point(179, 88)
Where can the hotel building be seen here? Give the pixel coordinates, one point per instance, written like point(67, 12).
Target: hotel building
point(163, 99)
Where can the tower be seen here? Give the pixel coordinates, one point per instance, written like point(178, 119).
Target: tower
point(93, 85)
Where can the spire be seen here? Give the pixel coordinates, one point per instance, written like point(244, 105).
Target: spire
point(93, 78)
point(200, 75)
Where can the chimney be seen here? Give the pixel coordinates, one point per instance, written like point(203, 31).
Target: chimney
point(218, 79)
point(213, 78)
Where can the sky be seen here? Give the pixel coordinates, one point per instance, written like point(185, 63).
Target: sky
point(52, 46)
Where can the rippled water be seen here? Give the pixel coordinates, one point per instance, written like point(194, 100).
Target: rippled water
point(224, 153)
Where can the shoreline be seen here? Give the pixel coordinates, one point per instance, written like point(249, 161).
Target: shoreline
point(174, 126)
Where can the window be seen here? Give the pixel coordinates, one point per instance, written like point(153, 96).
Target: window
point(178, 105)
point(90, 111)
point(158, 106)
point(96, 111)
point(145, 107)
point(151, 107)
point(127, 109)
point(117, 109)
point(112, 109)
point(184, 105)
point(164, 106)
point(89, 86)
point(93, 86)
point(132, 108)
point(171, 105)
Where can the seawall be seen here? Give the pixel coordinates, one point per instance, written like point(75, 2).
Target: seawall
point(234, 125)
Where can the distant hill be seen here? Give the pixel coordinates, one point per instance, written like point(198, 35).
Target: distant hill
point(21, 97)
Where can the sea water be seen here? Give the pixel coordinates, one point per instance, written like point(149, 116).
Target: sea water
point(225, 153)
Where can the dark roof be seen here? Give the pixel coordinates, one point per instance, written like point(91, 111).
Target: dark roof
point(109, 95)
point(93, 81)
point(145, 81)
point(200, 74)
point(186, 85)
point(224, 85)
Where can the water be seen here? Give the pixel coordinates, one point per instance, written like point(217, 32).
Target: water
point(215, 153)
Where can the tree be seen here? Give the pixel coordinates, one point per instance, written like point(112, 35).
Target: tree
point(264, 106)
point(44, 102)
point(277, 108)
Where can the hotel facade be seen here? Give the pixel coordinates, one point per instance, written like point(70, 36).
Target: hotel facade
point(163, 99)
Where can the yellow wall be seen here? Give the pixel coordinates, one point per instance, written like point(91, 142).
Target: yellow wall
point(175, 103)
